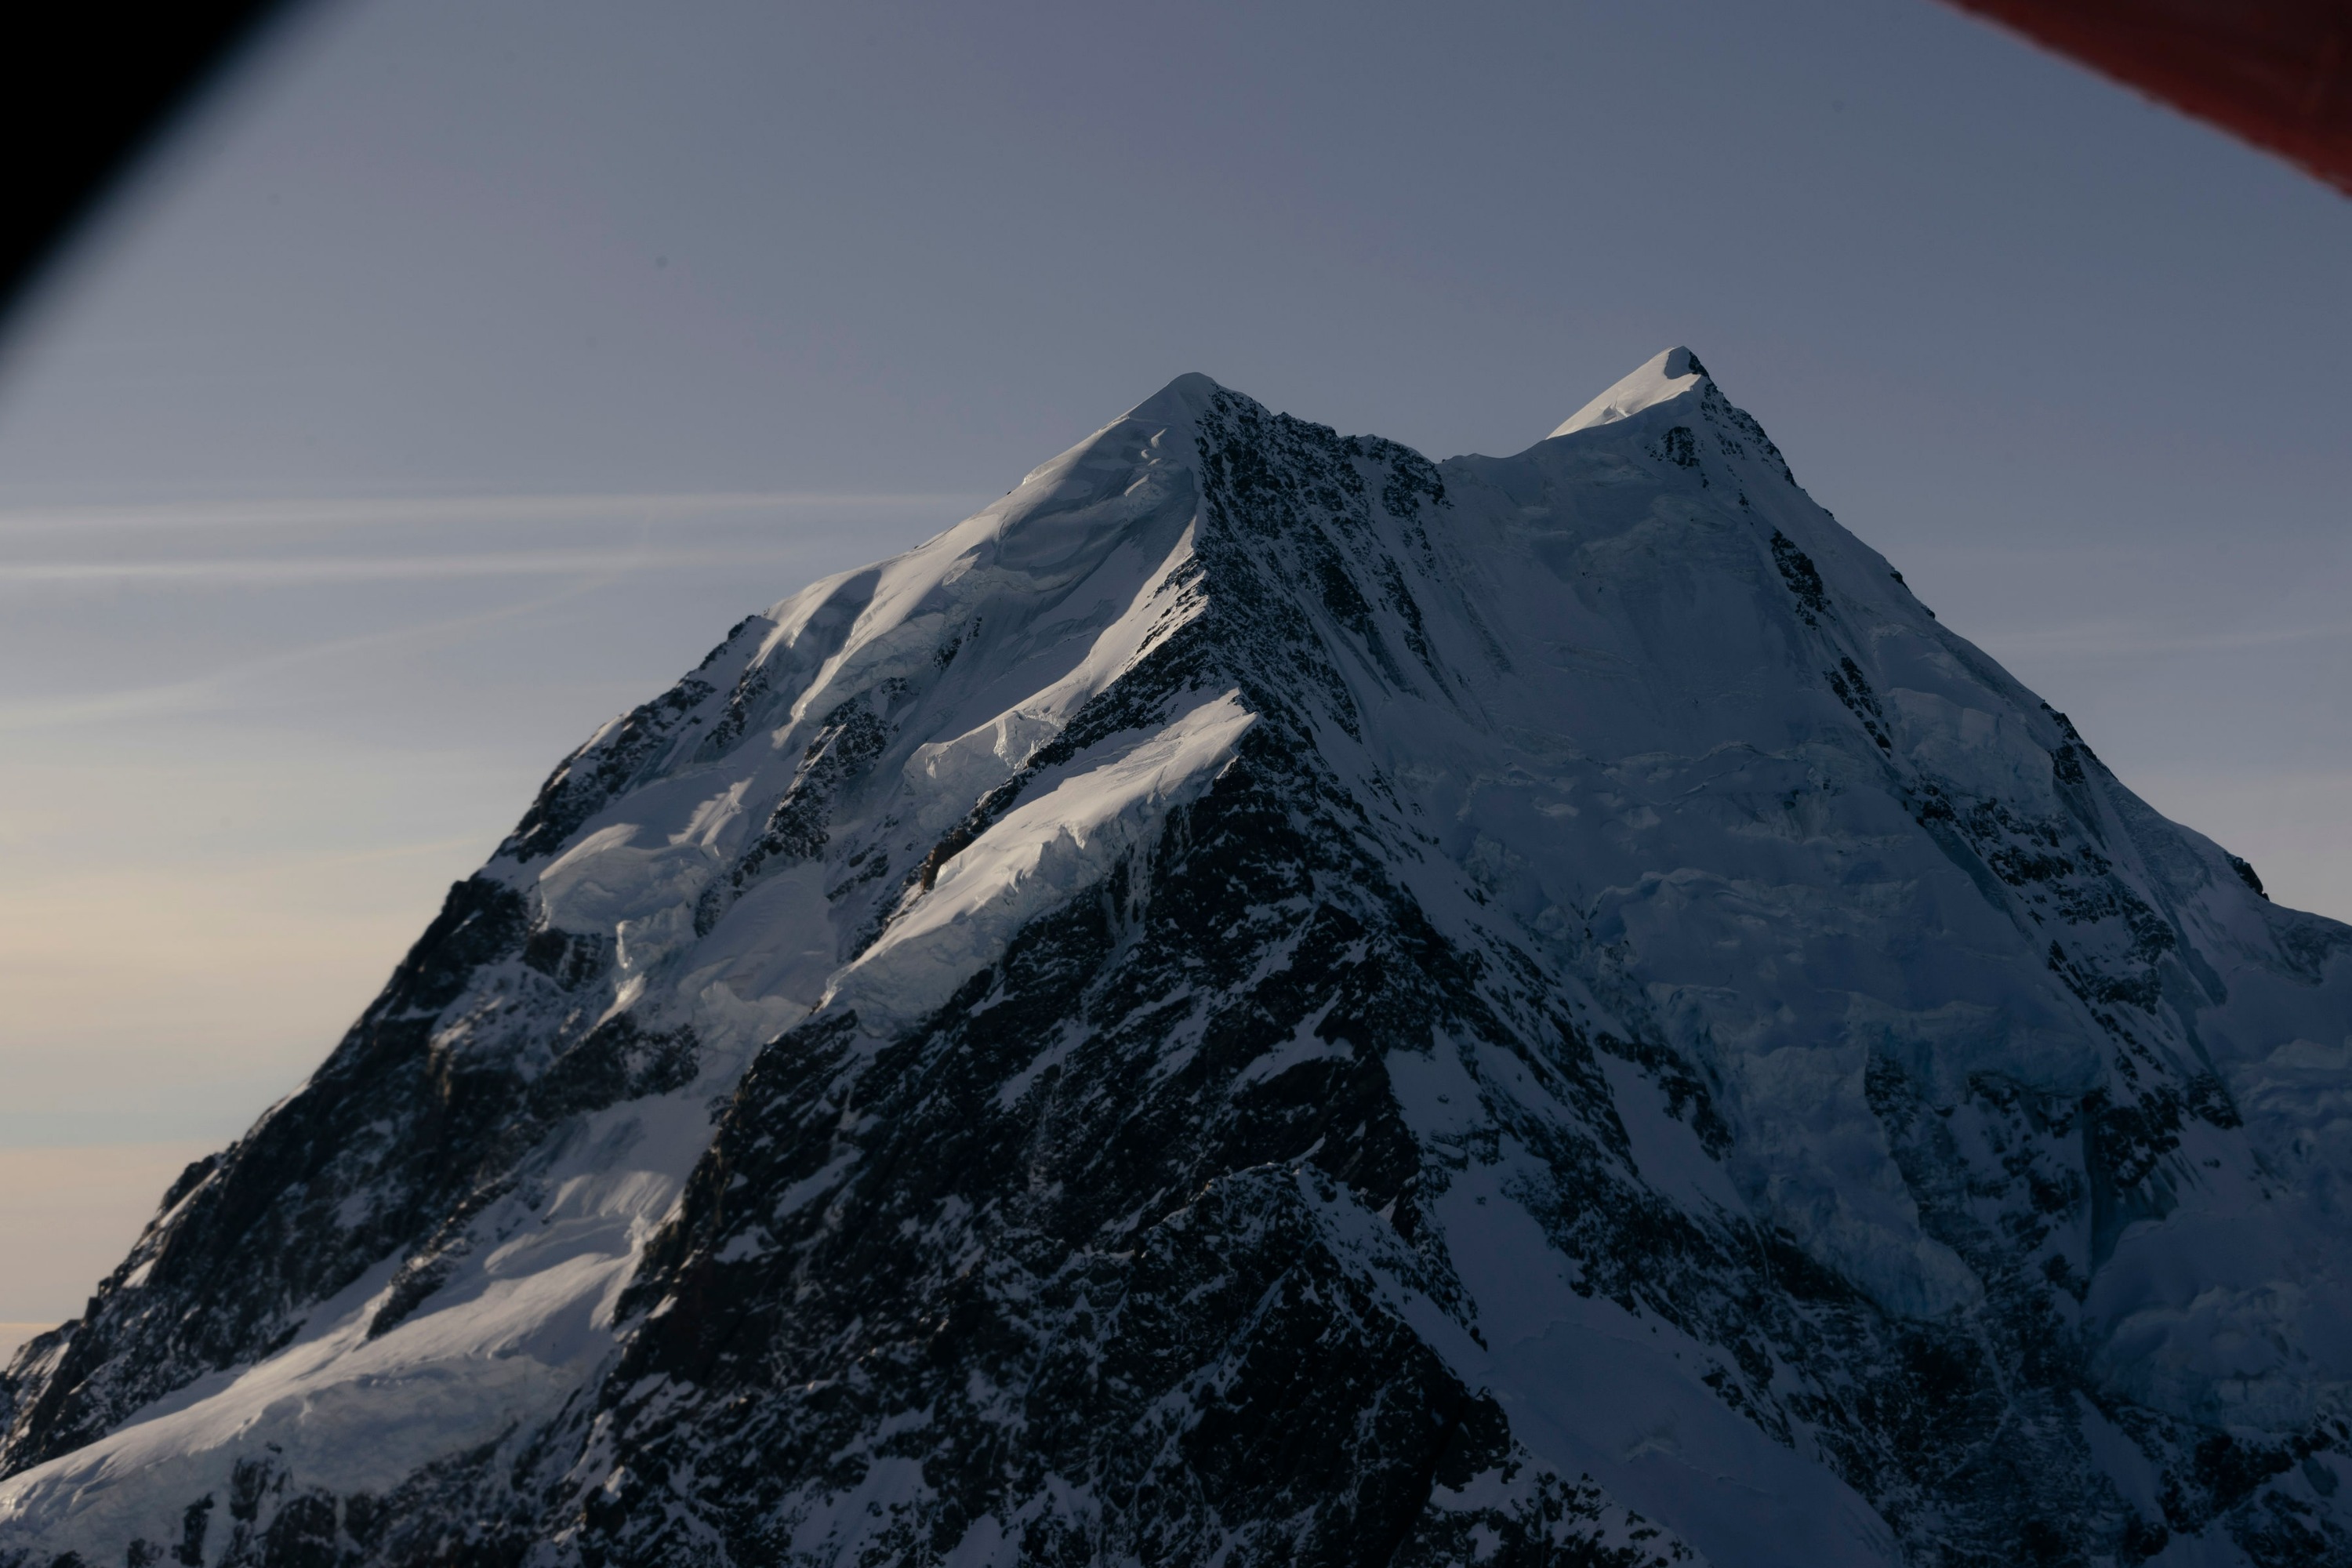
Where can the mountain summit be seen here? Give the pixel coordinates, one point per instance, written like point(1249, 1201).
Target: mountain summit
point(1672, 374)
point(1265, 1000)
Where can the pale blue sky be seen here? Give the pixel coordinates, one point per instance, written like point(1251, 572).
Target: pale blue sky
point(466, 369)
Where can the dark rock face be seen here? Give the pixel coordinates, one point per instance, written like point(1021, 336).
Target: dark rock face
point(1113, 1317)
point(253, 1235)
point(1058, 1250)
point(1526, 1011)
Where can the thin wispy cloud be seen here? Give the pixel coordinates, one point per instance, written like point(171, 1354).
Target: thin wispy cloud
point(364, 510)
point(217, 689)
point(631, 538)
point(264, 571)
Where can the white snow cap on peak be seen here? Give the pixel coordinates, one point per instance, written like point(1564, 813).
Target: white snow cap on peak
point(1670, 374)
point(1179, 399)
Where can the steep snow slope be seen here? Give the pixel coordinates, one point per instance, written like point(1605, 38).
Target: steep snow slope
point(1268, 1000)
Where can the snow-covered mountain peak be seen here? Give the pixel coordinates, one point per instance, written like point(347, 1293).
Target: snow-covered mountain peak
point(1265, 999)
point(1179, 400)
point(1667, 375)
